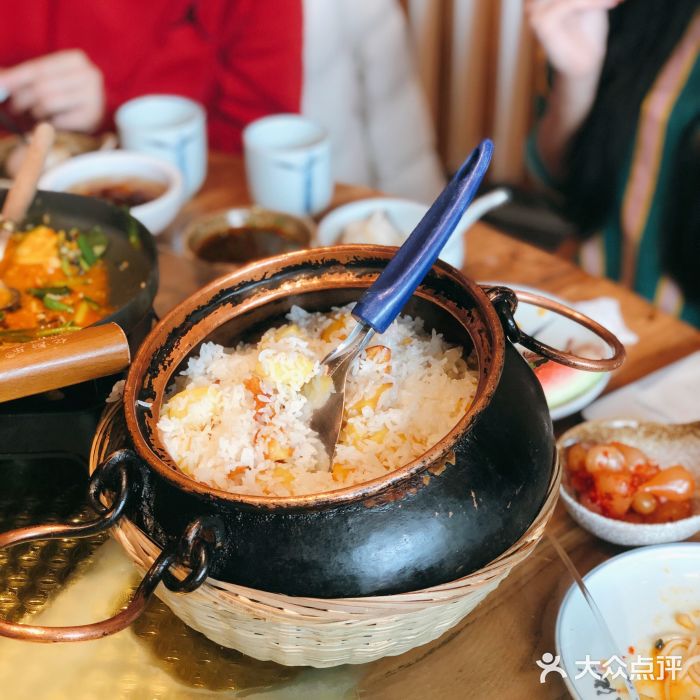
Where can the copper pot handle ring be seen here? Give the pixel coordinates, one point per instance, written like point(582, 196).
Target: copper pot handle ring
point(192, 551)
point(506, 300)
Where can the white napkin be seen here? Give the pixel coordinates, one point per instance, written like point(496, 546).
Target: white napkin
point(606, 311)
point(675, 395)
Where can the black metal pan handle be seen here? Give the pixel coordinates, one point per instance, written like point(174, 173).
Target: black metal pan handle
point(193, 551)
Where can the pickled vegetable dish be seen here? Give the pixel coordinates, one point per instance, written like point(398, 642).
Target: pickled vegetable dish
point(62, 282)
point(619, 481)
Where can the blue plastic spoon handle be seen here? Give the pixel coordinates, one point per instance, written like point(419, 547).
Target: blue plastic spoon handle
point(383, 301)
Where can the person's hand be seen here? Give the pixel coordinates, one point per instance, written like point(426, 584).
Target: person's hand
point(65, 88)
point(573, 33)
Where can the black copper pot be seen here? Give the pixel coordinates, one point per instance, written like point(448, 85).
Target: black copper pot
point(444, 515)
point(68, 417)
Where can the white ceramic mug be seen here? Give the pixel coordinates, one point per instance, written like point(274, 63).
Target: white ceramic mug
point(168, 126)
point(288, 164)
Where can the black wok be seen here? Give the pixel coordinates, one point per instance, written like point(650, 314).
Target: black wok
point(68, 417)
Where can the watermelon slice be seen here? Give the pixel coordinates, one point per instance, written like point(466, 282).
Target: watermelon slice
point(562, 384)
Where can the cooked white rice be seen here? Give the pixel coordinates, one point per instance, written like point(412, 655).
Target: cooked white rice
point(239, 417)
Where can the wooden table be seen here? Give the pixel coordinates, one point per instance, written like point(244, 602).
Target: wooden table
point(492, 653)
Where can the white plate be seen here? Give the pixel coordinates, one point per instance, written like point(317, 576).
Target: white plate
point(553, 329)
point(639, 593)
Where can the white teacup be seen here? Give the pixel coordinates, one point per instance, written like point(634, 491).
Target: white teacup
point(168, 126)
point(288, 164)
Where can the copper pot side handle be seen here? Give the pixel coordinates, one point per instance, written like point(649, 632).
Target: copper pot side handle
point(506, 300)
point(95, 630)
point(194, 547)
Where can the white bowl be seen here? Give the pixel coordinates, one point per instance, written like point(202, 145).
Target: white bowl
point(405, 214)
point(665, 444)
point(155, 215)
point(639, 593)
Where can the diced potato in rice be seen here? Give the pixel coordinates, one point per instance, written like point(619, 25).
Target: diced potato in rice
point(239, 419)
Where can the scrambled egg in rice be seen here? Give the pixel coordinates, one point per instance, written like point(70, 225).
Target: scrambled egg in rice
point(239, 418)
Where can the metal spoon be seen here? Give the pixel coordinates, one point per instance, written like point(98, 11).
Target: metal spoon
point(20, 196)
point(383, 301)
point(603, 627)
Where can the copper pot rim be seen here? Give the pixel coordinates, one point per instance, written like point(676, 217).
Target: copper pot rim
point(440, 453)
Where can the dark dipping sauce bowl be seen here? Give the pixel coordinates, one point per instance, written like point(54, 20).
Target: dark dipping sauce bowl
point(240, 235)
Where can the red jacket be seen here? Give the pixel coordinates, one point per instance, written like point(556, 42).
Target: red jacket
point(240, 58)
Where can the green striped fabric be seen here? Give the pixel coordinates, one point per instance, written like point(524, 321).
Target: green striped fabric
point(603, 254)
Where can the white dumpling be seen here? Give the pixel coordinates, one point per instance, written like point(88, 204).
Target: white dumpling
point(376, 229)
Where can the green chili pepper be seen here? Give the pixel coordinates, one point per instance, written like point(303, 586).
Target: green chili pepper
point(97, 240)
point(92, 244)
point(41, 292)
point(52, 302)
point(24, 335)
point(63, 328)
point(86, 252)
point(91, 303)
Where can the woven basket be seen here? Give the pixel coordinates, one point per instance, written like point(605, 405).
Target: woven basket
point(319, 632)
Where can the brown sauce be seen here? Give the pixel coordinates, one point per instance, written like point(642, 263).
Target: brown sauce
point(128, 192)
point(243, 244)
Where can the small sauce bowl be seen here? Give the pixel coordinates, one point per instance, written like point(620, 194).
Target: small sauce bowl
point(237, 236)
